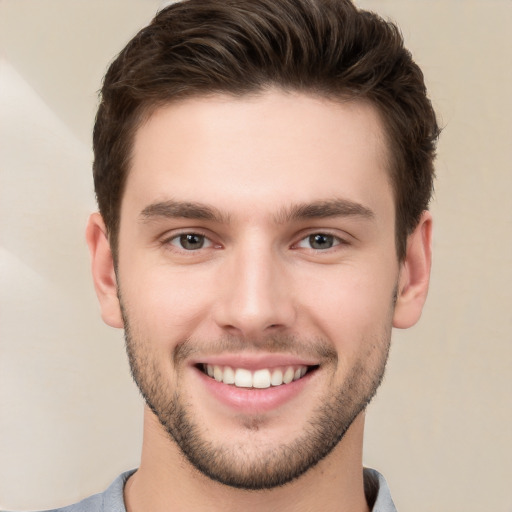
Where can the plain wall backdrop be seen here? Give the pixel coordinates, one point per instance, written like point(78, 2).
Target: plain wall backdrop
point(440, 428)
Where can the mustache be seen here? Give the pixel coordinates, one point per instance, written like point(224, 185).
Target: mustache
point(317, 348)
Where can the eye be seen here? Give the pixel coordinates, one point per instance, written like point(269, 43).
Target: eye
point(190, 241)
point(319, 241)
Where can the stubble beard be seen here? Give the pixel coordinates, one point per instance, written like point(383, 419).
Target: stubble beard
point(243, 465)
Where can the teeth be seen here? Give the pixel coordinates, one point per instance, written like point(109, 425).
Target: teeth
point(229, 375)
point(243, 378)
point(288, 375)
point(261, 379)
point(217, 373)
point(277, 377)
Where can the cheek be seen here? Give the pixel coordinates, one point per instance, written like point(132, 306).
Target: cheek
point(351, 303)
point(163, 302)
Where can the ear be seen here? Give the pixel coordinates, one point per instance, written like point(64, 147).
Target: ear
point(414, 275)
point(102, 266)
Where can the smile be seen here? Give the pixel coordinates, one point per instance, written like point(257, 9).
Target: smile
point(259, 379)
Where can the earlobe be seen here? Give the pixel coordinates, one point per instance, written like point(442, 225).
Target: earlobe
point(103, 273)
point(414, 275)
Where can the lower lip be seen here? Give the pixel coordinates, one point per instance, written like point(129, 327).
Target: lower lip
point(253, 400)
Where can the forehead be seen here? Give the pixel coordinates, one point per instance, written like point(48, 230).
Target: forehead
point(260, 151)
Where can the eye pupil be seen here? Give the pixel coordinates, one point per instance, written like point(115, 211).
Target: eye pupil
point(191, 241)
point(321, 241)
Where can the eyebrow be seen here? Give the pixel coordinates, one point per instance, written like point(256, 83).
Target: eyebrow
point(172, 209)
point(324, 209)
point(182, 210)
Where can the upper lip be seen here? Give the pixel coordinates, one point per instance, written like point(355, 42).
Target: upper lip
point(254, 361)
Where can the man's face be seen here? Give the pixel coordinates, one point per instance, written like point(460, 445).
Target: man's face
point(257, 272)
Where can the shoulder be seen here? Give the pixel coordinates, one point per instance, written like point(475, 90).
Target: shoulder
point(90, 504)
point(111, 500)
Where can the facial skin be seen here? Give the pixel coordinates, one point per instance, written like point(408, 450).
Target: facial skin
point(258, 233)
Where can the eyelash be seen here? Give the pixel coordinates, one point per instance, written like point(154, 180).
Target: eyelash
point(177, 240)
point(336, 241)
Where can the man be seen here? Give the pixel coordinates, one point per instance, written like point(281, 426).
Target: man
point(263, 171)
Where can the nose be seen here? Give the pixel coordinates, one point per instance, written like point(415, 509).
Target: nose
point(255, 295)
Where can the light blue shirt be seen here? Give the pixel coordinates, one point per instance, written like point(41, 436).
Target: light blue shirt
point(111, 500)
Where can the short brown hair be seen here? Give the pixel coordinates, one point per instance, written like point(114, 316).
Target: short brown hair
point(320, 47)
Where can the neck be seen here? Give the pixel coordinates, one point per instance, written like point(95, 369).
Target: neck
point(166, 481)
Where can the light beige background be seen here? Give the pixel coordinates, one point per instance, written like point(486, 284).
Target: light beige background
point(440, 428)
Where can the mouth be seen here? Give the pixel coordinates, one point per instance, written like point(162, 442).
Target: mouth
point(259, 379)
